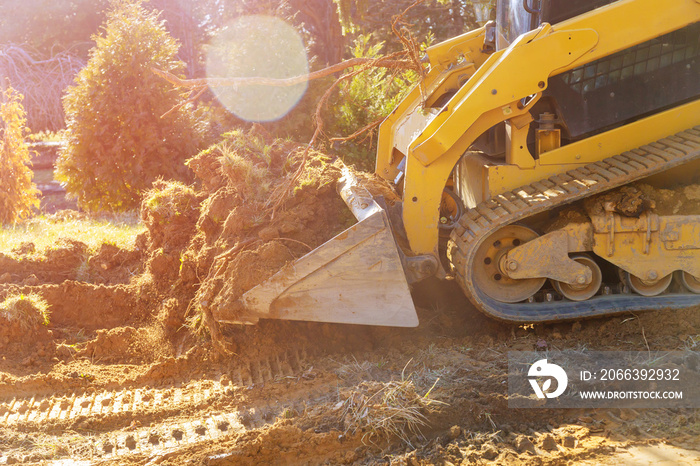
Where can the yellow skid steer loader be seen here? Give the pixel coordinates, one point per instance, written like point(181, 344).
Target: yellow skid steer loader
point(516, 123)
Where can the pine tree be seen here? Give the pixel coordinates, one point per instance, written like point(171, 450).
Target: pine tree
point(18, 195)
point(117, 142)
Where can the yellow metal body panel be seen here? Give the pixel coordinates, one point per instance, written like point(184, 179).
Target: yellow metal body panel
point(499, 178)
point(450, 62)
point(621, 139)
point(649, 247)
point(517, 152)
point(493, 93)
point(542, 52)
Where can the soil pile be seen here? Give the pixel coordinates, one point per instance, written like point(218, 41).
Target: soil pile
point(126, 344)
point(69, 260)
point(255, 212)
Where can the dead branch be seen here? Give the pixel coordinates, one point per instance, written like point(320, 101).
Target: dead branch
point(195, 94)
point(411, 46)
point(412, 50)
point(389, 61)
point(279, 196)
point(41, 81)
point(360, 131)
point(408, 59)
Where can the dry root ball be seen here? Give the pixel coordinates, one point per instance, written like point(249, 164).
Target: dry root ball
point(238, 242)
point(23, 319)
point(170, 211)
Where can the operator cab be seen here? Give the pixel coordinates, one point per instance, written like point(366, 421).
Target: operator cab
point(516, 17)
point(603, 94)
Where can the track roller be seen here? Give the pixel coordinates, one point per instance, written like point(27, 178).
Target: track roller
point(581, 292)
point(648, 287)
point(690, 282)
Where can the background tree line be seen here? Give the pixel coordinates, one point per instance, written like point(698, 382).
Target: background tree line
point(124, 127)
point(46, 28)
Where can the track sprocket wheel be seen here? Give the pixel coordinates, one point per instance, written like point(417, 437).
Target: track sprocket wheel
point(491, 279)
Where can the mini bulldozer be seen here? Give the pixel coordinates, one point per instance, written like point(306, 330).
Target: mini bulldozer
point(538, 112)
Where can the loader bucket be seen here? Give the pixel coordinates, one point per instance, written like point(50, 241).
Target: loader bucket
point(354, 278)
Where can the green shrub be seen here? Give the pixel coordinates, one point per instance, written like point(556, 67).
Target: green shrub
point(18, 195)
point(364, 99)
point(117, 142)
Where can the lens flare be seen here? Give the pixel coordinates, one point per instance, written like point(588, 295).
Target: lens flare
point(258, 46)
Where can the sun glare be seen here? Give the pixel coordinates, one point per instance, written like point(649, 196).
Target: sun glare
point(258, 46)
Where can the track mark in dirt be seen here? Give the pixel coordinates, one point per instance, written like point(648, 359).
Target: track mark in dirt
point(150, 421)
point(37, 410)
point(169, 435)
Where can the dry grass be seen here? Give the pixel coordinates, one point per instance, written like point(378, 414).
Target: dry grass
point(355, 371)
point(385, 409)
point(30, 310)
point(45, 232)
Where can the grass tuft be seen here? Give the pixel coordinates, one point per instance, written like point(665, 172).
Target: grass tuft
point(170, 198)
point(30, 310)
point(385, 409)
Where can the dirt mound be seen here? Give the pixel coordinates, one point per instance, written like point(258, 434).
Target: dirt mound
point(65, 261)
point(87, 306)
point(256, 211)
point(69, 260)
point(127, 345)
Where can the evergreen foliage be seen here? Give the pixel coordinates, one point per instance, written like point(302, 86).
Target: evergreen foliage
point(365, 99)
point(117, 142)
point(18, 195)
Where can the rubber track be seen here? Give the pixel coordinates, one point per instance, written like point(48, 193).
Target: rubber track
point(477, 224)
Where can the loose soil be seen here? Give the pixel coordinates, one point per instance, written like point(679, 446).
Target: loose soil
point(127, 372)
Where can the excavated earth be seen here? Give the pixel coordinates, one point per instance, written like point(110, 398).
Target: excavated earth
point(126, 372)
